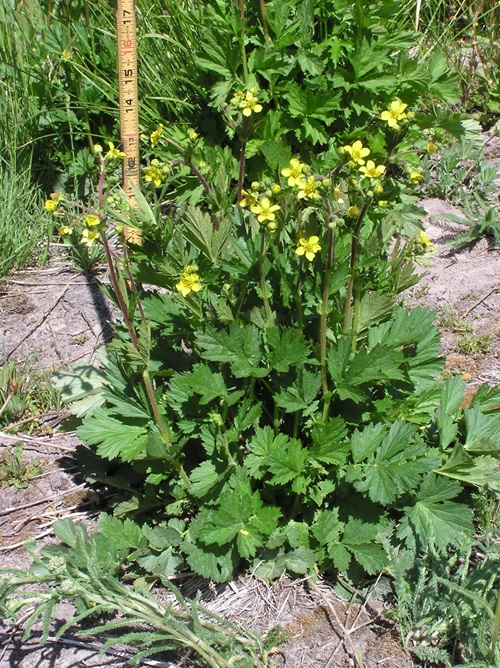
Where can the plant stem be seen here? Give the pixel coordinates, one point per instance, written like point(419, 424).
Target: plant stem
point(263, 286)
point(495, 631)
point(264, 20)
point(242, 39)
point(323, 325)
point(352, 265)
point(241, 170)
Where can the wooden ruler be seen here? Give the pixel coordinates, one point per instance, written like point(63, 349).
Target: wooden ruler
point(128, 102)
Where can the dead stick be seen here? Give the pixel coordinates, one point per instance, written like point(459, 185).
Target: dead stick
point(30, 439)
point(480, 301)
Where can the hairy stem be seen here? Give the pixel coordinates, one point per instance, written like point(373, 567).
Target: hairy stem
point(263, 286)
point(323, 325)
point(352, 267)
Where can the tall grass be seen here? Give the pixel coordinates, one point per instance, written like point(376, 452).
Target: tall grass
point(25, 228)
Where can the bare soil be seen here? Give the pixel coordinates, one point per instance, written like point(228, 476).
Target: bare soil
point(55, 317)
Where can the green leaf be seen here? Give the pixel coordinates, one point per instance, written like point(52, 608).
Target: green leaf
point(213, 562)
point(262, 445)
point(122, 534)
point(114, 438)
point(359, 539)
point(81, 387)
point(434, 517)
point(241, 515)
point(327, 445)
point(203, 478)
point(366, 366)
point(288, 463)
point(480, 471)
point(301, 395)
point(286, 350)
point(483, 431)
point(199, 229)
point(241, 347)
point(395, 467)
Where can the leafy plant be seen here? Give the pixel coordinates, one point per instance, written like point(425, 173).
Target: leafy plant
point(86, 569)
point(14, 470)
point(274, 403)
point(447, 606)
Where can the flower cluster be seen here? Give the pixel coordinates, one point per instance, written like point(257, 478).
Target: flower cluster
point(247, 103)
point(156, 172)
point(189, 281)
point(298, 177)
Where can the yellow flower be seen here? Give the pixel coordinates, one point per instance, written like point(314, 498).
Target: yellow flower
point(250, 104)
point(153, 174)
point(394, 114)
point(308, 247)
point(64, 230)
point(276, 189)
point(89, 237)
point(425, 241)
point(92, 220)
point(238, 97)
point(415, 177)
point(294, 172)
point(272, 227)
point(431, 148)
point(50, 205)
point(357, 153)
point(188, 282)
point(307, 189)
point(264, 210)
point(249, 199)
point(353, 212)
point(66, 54)
point(114, 153)
point(192, 135)
point(154, 137)
point(382, 202)
point(97, 148)
point(371, 170)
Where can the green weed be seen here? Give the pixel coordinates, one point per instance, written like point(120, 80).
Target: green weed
point(15, 470)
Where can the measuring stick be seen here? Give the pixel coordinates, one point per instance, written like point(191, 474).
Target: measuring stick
point(129, 102)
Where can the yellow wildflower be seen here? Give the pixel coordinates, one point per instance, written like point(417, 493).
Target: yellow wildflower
point(64, 230)
point(114, 153)
point(431, 148)
point(415, 177)
point(238, 97)
point(97, 148)
point(382, 202)
point(308, 247)
point(250, 104)
point(307, 189)
point(154, 137)
point(394, 114)
point(294, 172)
point(153, 174)
point(50, 205)
point(357, 152)
point(275, 189)
point(371, 170)
point(192, 135)
point(66, 55)
point(425, 241)
point(249, 199)
point(353, 212)
point(92, 220)
point(264, 210)
point(89, 237)
point(188, 282)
